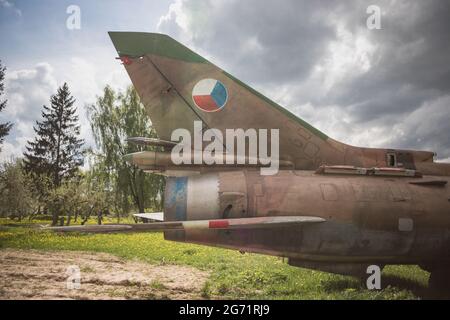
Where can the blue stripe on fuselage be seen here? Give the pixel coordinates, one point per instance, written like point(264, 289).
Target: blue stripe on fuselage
point(219, 94)
point(176, 201)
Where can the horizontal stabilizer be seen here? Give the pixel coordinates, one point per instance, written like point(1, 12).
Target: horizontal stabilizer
point(158, 216)
point(151, 142)
point(225, 224)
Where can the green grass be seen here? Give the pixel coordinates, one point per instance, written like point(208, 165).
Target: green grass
point(233, 275)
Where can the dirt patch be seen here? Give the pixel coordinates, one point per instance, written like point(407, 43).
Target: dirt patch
point(32, 274)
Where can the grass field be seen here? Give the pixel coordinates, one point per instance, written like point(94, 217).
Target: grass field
point(233, 275)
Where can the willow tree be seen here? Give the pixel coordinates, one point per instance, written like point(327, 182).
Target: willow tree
point(114, 117)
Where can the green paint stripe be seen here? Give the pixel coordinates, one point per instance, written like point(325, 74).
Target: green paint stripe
point(141, 43)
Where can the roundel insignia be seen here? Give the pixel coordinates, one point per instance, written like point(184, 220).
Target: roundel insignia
point(210, 95)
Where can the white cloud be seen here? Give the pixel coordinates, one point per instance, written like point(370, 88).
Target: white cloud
point(175, 14)
point(348, 56)
point(12, 149)
point(10, 5)
point(27, 90)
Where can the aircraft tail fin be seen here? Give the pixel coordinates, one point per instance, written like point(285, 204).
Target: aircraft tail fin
point(178, 86)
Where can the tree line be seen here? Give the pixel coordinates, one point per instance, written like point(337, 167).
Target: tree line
point(60, 179)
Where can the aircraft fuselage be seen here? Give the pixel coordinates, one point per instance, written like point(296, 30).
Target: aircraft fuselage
point(369, 219)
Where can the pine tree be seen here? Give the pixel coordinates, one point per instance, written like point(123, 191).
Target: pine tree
point(4, 127)
point(56, 149)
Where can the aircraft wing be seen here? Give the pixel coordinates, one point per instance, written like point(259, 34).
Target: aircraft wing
point(177, 87)
point(158, 216)
point(224, 224)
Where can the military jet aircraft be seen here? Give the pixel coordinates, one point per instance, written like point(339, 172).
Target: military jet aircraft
point(331, 206)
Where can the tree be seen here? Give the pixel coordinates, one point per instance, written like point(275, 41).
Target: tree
point(56, 149)
point(115, 117)
point(4, 127)
point(15, 191)
point(77, 198)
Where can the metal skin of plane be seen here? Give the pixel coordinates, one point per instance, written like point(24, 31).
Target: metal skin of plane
point(331, 207)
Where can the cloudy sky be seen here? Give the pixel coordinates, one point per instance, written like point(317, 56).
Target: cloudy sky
point(387, 87)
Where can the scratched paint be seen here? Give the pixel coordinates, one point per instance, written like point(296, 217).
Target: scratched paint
point(176, 199)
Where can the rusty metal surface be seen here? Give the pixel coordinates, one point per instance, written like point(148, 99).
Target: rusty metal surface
point(364, 217)
point(165, 87)
point(369, 219)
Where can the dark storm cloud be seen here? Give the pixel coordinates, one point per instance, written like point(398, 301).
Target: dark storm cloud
point(427, 126)
point(276, 41)
point(411, 64)
point(321, 54)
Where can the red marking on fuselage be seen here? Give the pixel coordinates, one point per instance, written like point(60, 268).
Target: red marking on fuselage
point(218, 224)
point(126, 60)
